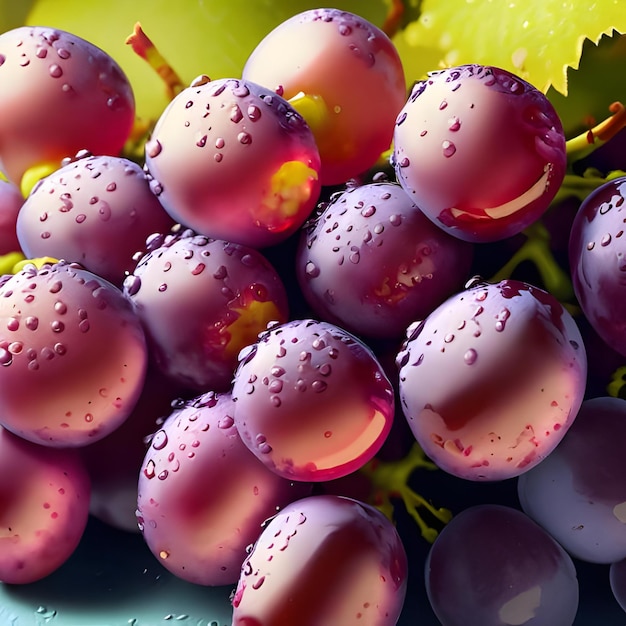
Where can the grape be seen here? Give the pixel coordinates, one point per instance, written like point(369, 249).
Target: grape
point(492, 565)
point(11, 201)
point(596, 253)
point(492, 379)
point(95, 210)
point(312, 401)
point(359, 99)
point(201, 301)
point(44, 504)
point(73, 355)
point(372, 263)
point(59, 94)
point(233, 160)
point(203, 495)
point(114, 462)
point(323, 560)
point(480, 151)
point(578, 492)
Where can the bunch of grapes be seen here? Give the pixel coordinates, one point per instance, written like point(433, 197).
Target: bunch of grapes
point(309, 285)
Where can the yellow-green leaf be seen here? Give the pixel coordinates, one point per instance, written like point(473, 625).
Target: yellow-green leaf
point(538, 40)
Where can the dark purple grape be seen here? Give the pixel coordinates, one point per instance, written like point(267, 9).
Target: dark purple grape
point(578, 493)
point(597, 252)
point(97, 211)
point(73, 355)
point(617, 581)
point(492, 379)
point(59, 94)
point(203, 495)
point(312, 401)
point(323, 560)
point(480, 151)
point(493, 566)
point(372, 263)
point(201, 301)
point(44, 504)
point(234, 161)
point(11, 201)
point(346, 77)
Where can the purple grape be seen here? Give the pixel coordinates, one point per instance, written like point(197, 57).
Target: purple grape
point(493, 566)
point(203, 495)
point(59, 94)
point(44, 504)
point(11, 201)
point(73, 355)
point(578, 493)
point(597, 258)
point(234, 161)
point(372, 263)
point(312, 401)
point(201, 301)
point(323, 560)
point(480, 151)
point(492, 379)
point(97, 211)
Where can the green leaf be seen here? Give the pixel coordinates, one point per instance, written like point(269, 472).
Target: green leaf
point(538, 40)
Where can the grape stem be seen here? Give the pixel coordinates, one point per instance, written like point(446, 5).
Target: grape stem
point(536, 249)
point(390, 479)
point(585, 143)
point(574, 185)
point(143, 46)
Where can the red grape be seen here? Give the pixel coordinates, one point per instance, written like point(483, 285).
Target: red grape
point(492, 379)
point(234, 161)
point(95, 210)
point(480, 151)
point(59, 94)
point(360, 96)
point(201, 301)
point(323, 560)
point(44, 502)
point(372, 263)
point(203, 495)
point(11, 201)
point(312, 401)
point(73, 355)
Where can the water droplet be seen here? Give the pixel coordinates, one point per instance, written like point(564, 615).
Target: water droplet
point(448, 148)
point(153, 148)
point(606, 240)
point(454, 124)
point(470, 356)
point(159, 441)
point(55, 71)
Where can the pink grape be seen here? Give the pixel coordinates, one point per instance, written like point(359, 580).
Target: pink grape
point(311, 400)
point(234, 161)
point(372, 263)
point(201, 301)
point(480, 151)
point(596, 255)
point(44, 505)
point(578, 493)
point(492, 379)
point(95, 210)
point(73, 355)
point(59, 94)
point(323, 560)
point(492, 565)
point(361, 95)
point(203, 495)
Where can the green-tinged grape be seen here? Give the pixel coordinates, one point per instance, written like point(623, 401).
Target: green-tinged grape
point(195, 36)
point(536, 40)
